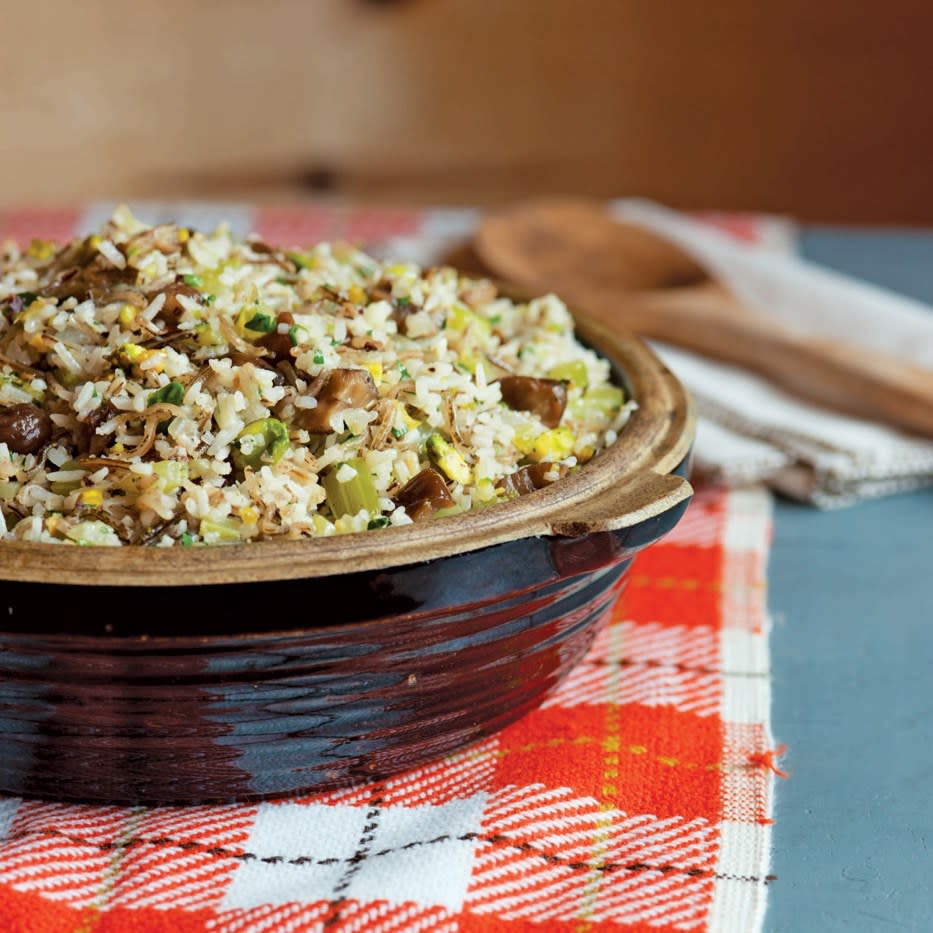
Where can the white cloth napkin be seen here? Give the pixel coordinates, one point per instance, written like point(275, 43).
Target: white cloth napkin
point(749, 429)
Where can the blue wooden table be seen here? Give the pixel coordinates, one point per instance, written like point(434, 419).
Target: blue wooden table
point(852, 655)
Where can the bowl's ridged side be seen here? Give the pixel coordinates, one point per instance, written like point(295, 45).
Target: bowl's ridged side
point(285, 713)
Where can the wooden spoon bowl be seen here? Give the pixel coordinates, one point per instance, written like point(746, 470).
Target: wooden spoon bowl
point(624, 275)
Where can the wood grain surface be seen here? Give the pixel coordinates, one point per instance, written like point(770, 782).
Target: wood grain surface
point(814, 109)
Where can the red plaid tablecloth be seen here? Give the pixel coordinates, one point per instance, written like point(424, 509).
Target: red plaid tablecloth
point(638, 797)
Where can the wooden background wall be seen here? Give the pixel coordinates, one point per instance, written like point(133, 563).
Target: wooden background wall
point(812, 107)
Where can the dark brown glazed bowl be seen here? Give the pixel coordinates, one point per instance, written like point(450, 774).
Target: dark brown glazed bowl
point(153, 675)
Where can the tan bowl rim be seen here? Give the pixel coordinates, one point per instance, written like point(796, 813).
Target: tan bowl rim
point(629, 482)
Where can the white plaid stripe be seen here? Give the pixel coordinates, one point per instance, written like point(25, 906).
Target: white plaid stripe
point(745, 844)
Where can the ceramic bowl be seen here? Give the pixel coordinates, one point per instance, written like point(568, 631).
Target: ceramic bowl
point(207, 674)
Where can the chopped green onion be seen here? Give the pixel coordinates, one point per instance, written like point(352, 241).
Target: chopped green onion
point(357, 493)
point(194, 281)
point(403, 302)
point(403, 370)
point(381, 522)
point(293, 334)
point(210, 299)
point(399, 432)
point(318, 358)
point(300, 260)
point(261, 322)
point(172, 394)
point(186, 539)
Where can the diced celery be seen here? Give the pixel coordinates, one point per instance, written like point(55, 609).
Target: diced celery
point(262, 441)
point(357, 493)
point(460, 319)
point(608, 398)
point(9, 490)
point(448, 459)
point(573, 371)
point(93, 533)
point(207, 336)
point(220, 530)
point(525, 437)
point(554, 444)
point(172, 473)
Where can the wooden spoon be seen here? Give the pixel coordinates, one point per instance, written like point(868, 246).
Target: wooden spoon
point(627, 276)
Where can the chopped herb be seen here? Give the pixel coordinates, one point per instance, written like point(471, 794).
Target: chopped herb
point(186, 539)
point(381, 522)
point(210, 299)
point(403, 370)
point(495, 319)
point(264, 323)
point(318, 358)
point(22, 300)
point(336, 343)
point(399, 432)
point(173, 394)
point(293, 334)
point(300, 260)
point(281, 280)
point(403, 302)
point(364, 271)
point(195, 281)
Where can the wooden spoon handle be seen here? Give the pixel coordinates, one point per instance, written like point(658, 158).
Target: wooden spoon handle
point(857, 380)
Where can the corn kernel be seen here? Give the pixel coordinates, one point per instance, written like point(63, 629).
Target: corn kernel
point(94, 241)
point(356, 294)
point(249, 515)
point(183, 234)
point(133, 352)
point(136, 355)
point(127, 315)
point(38, 342)
point(118, 448)
point(375, 370)
point(40, 249)
point(91, 498)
